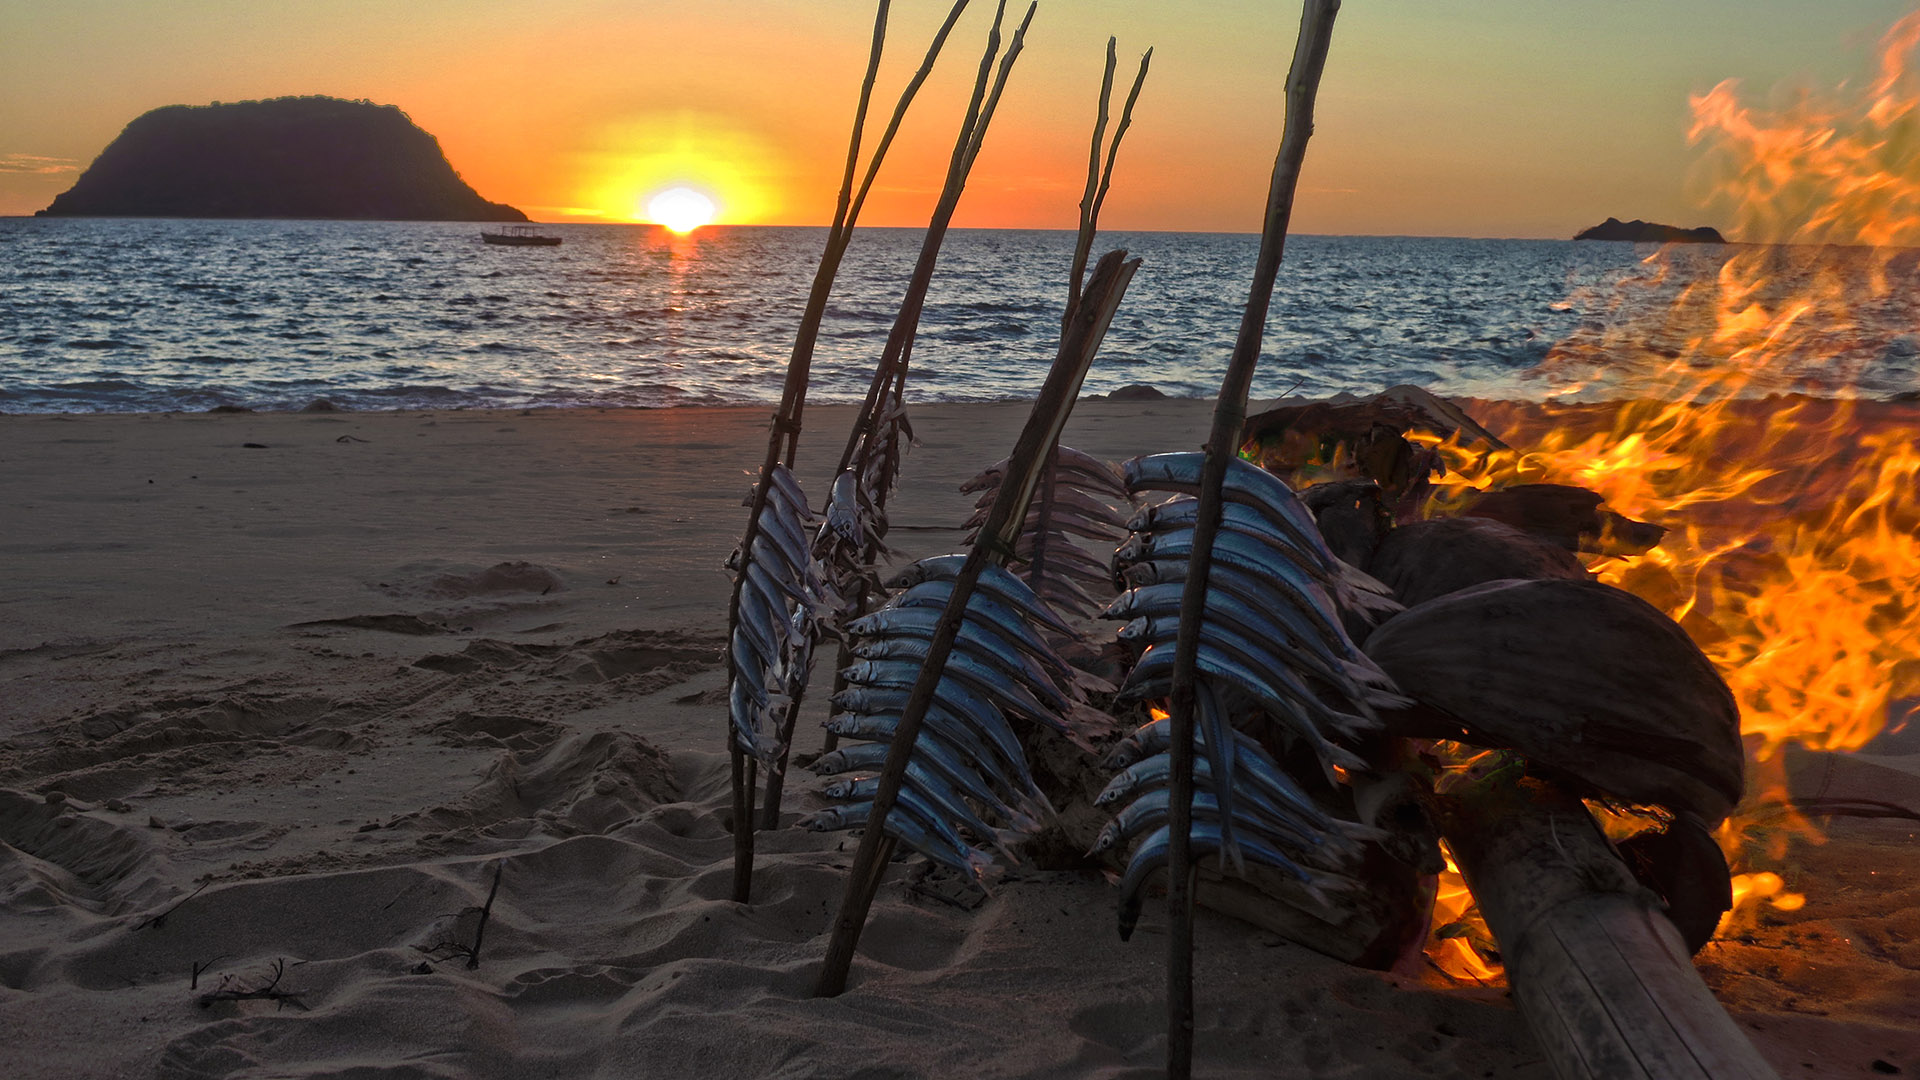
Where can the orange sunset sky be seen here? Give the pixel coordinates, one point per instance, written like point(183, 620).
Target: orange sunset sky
point(1462, 118)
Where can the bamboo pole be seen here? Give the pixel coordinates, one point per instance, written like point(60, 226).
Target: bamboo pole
point(784, 437)
point(1605, 981)
point(994, 542)
point(906, 323)
point(1229, 414)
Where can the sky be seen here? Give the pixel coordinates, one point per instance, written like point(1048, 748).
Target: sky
point(1498, 118)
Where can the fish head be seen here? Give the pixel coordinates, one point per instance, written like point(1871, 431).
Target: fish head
point(822, 820)
point(1135, 631)
point(907, 576)
point(1109, 836)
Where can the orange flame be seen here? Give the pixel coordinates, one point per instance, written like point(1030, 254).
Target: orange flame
point(1455, 921)
point(1793, 551)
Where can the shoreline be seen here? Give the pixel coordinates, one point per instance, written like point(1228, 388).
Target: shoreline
point(324, 406)
point(341, 675)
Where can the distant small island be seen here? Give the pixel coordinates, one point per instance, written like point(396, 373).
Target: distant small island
point(292, 157)
point(1647, 232)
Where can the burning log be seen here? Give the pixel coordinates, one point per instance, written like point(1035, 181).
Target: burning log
point(1351, 517)
point(1593, 685)
point(1387, 439)
point(1428, 559)
point(1603, 980)
point(1570, 516)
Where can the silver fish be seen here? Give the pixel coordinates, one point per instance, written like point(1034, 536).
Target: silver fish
point(1267, 787)
point(1278, 683)
point(843, 509)
point(964, 774)
point(1183, 513)
point(1062, 518)
point(920, 622)
point(939, 795)
point(1008, 622)
point(1074, 497)
point(1069, 463)
point(1283, 600)
point(913, 823)
point(1202, 839)
point(943, 743)
point(994, 580)
point(1280, 624)
point(789, 489)
point(1244, 483)
point(964, 684)
point(1259, 653)
point(965, 658)
point(964, 728)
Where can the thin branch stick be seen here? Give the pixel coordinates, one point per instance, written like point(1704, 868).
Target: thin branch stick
point(899, 348)
point(1004, 519)
point(900, 110)
point(742, 820)
point(900, 341)
point(160, 920)
point(486, 912)
point(784, 437)
point(1096, 194)
point(1000, 82)
point(1082, 245)
point(1119, 133)
point(1229, 415)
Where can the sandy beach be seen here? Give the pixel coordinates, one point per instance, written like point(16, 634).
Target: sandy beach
point(283, 692)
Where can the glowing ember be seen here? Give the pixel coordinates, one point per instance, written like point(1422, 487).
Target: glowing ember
point(1456, 924)
point(1749, 890)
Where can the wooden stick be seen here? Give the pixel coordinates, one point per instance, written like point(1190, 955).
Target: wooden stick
point(899, 347)
point(1004, 519)
point(1097, 180)
point(1600, 973)
point(783, 439)
point(898, 351)
point(1090, 202)
point(1229, 414)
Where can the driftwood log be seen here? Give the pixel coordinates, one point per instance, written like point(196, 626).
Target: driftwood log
point(1591, 684)
point(1429, 559)
point(1601, 975)
point(1571, 517)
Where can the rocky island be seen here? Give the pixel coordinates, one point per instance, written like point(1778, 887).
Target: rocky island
point(1647, 232)
point(293, 157)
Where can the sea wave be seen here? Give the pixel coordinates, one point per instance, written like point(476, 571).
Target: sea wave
point(160, 315)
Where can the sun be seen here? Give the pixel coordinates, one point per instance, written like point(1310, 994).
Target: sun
point(680, 209)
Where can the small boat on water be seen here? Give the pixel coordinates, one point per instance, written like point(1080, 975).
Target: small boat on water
point(520, 236)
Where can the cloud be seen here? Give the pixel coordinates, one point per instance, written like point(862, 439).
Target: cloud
point(35, 163)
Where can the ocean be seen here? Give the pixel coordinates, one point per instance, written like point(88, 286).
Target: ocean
point(146, 315)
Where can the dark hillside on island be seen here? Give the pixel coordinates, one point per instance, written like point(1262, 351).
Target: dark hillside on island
point(304, 157)
point(1647, 232)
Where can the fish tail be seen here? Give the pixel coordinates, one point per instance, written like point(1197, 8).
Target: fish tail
point(980, 866)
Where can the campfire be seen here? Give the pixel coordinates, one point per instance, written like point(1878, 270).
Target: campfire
point(1792, 546)
point(1396, 647)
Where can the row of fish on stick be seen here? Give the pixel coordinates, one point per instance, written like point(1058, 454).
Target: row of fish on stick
point(1272, 649)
